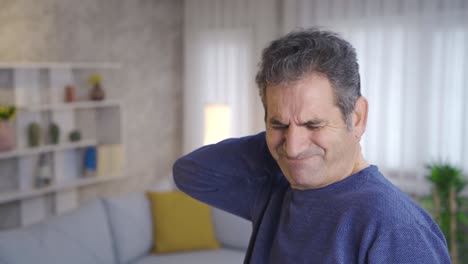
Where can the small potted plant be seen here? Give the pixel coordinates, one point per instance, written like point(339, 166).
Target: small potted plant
point(7, 133)
point(34, 134)
point(96, 93)
point(54, 133)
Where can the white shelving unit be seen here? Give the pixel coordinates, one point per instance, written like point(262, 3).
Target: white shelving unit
point(70, 106)
point(45, 149)
point(19, 195)
point(37, 90)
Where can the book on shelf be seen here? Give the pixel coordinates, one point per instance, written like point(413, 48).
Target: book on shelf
point(90, 161)
point(110, 158)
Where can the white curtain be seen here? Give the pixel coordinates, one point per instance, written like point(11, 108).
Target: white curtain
point(222, 43)
point(413, 57)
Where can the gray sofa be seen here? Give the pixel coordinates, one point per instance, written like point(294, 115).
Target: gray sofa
point(114, 230)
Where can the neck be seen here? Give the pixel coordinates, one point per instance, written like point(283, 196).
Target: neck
point(360, 163)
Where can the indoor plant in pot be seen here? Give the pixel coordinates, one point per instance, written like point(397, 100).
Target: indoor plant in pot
point(447, 183)
point(7, 131)
point(96, 93)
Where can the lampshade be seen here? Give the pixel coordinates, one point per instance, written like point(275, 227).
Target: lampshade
point(217, 123)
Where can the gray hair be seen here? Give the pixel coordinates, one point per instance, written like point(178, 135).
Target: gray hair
point(302, 52)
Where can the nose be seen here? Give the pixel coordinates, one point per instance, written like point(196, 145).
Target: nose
point(295, 143)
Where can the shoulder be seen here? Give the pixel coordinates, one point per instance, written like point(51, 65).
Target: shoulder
point(379, 202)
point(398, 227)
point(391, 208)
point(381, 198)
point(408, 243)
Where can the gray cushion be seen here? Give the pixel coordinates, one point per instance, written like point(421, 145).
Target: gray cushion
point(131, 225)
point(80, 236)
point(231, 230)
point(219, 256)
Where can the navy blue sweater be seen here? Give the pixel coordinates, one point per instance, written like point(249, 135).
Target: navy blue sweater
point(361, 219)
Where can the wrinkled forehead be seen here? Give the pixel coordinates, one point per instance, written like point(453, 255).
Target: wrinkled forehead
point(312, 93)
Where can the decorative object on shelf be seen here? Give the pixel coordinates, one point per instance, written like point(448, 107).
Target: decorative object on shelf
point(44, 172)
point(96, 93)
point(7, 133)
point(70, 93)
point(110, 158)
point(75, 135)
point(34, 134)
point(54, 133)
point(90, 161)
point(448, 181)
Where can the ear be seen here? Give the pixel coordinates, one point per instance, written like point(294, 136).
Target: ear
point(360, 117)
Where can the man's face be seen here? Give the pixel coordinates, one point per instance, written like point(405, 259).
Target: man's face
point(306, 133)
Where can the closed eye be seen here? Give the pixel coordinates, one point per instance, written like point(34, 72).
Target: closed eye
point(275, 124)
point(278, 126)
point(314, 125)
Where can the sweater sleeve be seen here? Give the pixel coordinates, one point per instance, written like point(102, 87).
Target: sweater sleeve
point(410, 244)
point(228, 175)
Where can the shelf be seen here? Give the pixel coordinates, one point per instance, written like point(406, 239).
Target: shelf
point(37, 90)
point(72, 106)
point(59, 65)
point(47, 148)
point(19, 194)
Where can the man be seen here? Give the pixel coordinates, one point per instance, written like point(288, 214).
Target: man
point(304, 184)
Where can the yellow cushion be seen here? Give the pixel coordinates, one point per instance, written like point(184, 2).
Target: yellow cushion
point(180, 223)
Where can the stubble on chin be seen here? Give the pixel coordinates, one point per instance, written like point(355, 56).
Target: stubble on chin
point(304, 176)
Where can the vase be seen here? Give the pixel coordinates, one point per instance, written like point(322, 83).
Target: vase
point(97, 93)
point(70, 94)
point(7, 136)
point(44, 172)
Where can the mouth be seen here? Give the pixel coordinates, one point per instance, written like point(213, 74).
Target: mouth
point(300, 159)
